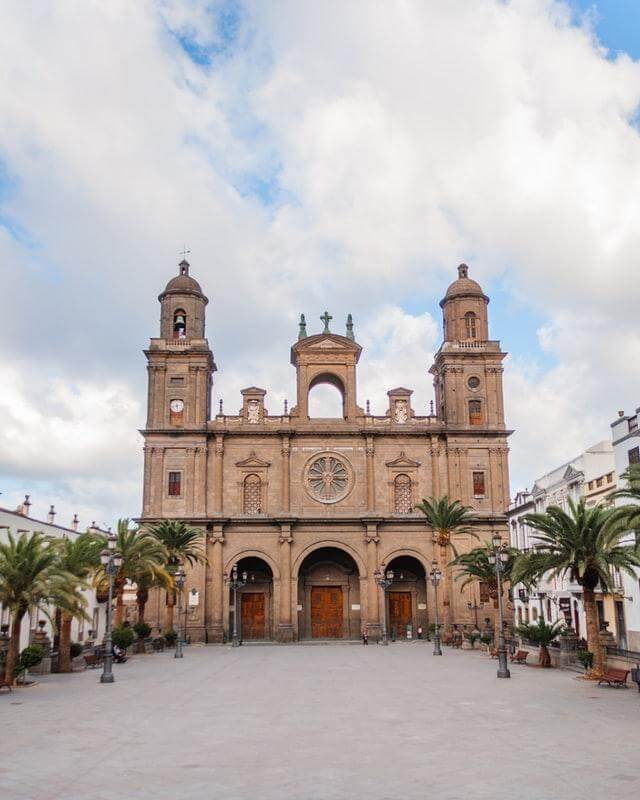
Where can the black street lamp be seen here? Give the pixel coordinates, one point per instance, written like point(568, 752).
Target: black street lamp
point(384, 580)
point(498, 558)
point(111, 561)
point(436, 577)
point(178, 579)
point(235, 583)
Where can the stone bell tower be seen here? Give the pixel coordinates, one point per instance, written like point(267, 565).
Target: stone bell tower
point(468, 369)
point(180, 369)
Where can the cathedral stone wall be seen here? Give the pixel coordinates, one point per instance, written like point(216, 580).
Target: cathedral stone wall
point(313, 509)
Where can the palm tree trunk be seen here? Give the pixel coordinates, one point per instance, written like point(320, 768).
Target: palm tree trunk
point(64, 645)
point(593, 633)
point(117, 620)
point(13, 651)
point(171, 601)
point(544, 657)
point(447, 589)
point(142, 596)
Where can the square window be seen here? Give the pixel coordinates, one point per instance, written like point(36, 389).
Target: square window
point(634, 455)
point(478, 484)
point(175, 484)
point(599, 482)
point(633, 424)
point(176, 381)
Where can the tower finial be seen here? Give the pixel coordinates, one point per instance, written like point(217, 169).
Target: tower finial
point(184, 264)
point(302, 332)
point(463, 271)
point(350, 327)
point(326, 318)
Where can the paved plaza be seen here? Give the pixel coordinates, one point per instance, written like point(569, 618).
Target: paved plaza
point(295, 722)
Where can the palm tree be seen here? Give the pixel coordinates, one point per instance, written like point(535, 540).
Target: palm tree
point(630, 512)
point(542, 634)
point(143, 557)
point(475, 566)
point(79, 557)
point(181, 544)
point(585, 544)
point(30, 575)
point(446, 519)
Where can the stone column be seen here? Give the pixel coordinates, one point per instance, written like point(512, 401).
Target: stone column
point(215, 588)
point(372, 620)
point(190, 488)
point(218, 477)
point(371, 496)
point(285, 628)
point(435, 467)
point(286, 475)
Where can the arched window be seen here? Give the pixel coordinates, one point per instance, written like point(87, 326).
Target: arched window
point(470, 320)
point(475, 412)
point(179, 324)
point(252, 499)
point(402, 494)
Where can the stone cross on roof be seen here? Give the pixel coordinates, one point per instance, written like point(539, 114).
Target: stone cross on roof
point(326, 318)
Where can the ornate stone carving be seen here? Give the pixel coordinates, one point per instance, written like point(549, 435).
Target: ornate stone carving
point(254, 412)
point(401, 412)
point(327, 479)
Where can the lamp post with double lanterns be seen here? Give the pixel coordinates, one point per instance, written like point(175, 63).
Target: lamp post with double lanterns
point(111, 561)
point(236, 582)
point(436, 577)
point(498, 558)
point(475, 607)
point(178, 579)
point(384, 580)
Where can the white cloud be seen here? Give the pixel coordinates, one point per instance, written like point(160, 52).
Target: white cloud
point(397, 140)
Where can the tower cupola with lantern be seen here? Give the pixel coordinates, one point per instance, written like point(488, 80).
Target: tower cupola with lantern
point(467, 368)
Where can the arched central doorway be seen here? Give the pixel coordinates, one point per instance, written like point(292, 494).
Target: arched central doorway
point(406, 598)
point(328, 596)
point(255, 601)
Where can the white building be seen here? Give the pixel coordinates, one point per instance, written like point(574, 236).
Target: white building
point(19, 522)
point(626, 447)
point(591, 475)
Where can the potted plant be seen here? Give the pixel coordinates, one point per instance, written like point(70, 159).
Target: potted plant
point(585, 657)
point(31, 656)
point(486, 639)
point(122, 637)
point(143, 631)
point(171, 637)
point(471, 638)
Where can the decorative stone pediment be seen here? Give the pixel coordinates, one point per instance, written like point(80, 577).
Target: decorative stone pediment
point(253, 461)
point(572, 474)
point(403, 462)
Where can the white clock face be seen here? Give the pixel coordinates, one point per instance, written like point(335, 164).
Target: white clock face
point(176, 406)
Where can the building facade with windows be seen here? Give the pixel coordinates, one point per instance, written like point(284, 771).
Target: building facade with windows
point(592, 476)
point(19, 522)
point(312, 508)
point(626, 447)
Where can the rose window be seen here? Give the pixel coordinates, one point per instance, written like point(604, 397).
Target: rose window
point(327, 479)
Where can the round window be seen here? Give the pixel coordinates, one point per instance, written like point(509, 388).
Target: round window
point(473, 383)
point(327, 479)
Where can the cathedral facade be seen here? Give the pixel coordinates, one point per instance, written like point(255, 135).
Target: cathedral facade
point(313, 510)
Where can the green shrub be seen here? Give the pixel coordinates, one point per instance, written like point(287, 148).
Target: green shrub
point(143, 631)
point(123, 637)
point(170, 637)
point(472, 636)
point(486, 638)
point(585, 657)
point(76, 649)
point(31, 656)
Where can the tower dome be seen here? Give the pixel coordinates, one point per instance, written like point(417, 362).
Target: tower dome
point(464, 308)
point(464, 286)
point(182, 307)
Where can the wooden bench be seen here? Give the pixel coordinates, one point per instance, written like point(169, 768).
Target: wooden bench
point(92, 660)
point(520, 657)
point(615, 677)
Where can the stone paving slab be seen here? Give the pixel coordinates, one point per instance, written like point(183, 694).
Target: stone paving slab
point(318, 723)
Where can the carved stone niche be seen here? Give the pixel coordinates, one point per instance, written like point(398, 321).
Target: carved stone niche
point(403, 484)
point(253, 411)
point(253, 484)
point(400, 409)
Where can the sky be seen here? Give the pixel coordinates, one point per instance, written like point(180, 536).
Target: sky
point(311, 156)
